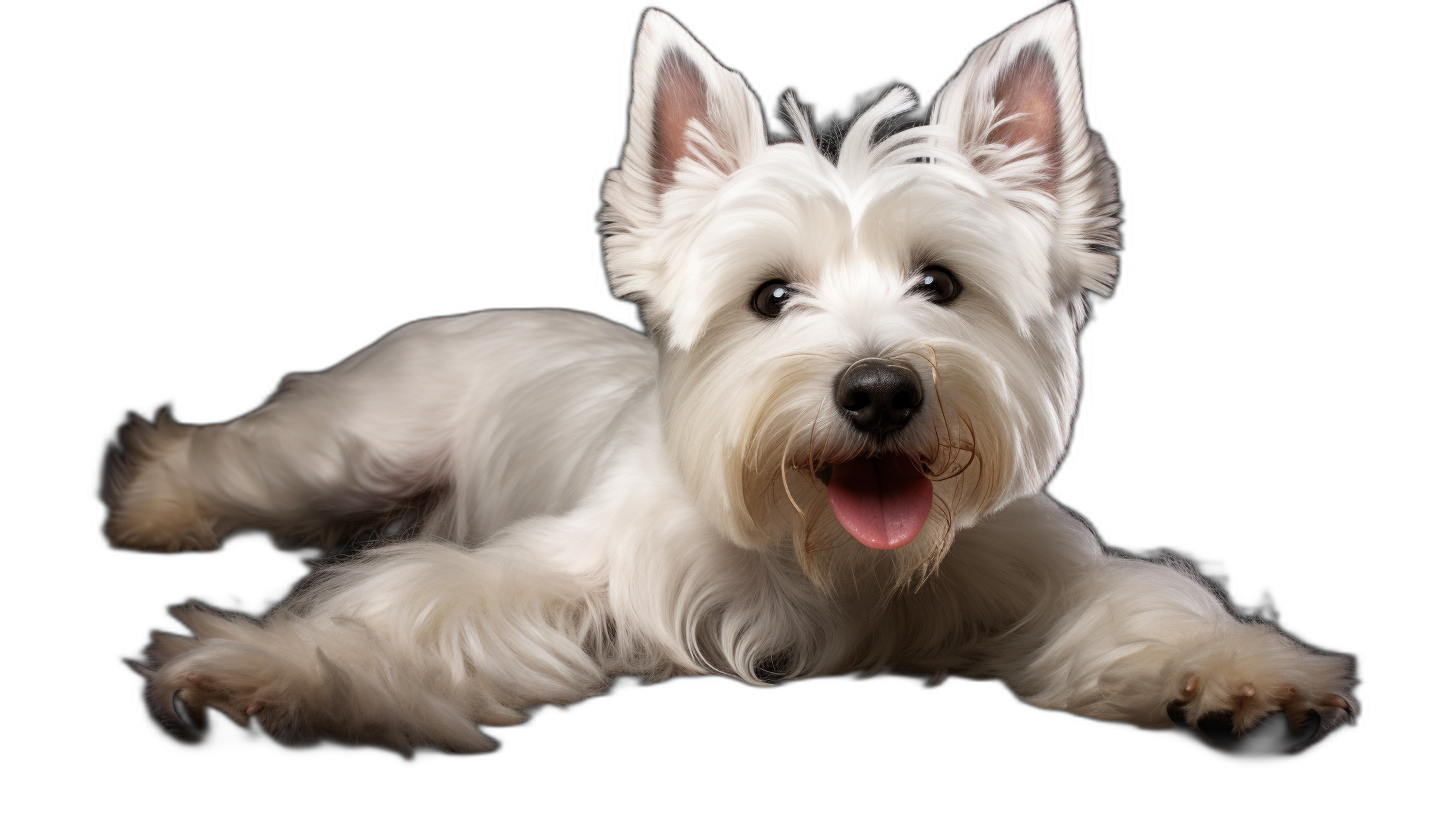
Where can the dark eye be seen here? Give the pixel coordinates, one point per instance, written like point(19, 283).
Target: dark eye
point(771, 298)
point(937, 283)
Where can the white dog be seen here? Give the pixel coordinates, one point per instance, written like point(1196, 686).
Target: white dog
point(825, 455)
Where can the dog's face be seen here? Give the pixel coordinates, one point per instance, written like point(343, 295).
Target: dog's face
point(874, 343)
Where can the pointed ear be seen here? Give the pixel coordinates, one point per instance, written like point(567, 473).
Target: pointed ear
point(1016, 111)
point(692, 123)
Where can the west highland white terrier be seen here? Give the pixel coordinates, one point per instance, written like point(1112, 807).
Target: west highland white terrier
point(826, 454)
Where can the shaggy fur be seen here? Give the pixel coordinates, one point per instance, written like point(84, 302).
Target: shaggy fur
point(596, 502)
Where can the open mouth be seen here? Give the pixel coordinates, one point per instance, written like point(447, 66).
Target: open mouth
point(883, 501)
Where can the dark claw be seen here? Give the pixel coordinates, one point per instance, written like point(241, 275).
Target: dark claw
point(1350, 713)
point(1306, 730)
point(1175, 713)
point(211, 726)
point(185, 714)
point(1219, 727)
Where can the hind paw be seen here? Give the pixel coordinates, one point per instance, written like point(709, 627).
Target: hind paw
point(246, 684)
point(214, 716)
point(145, 487)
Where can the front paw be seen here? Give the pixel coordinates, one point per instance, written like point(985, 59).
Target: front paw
point(1239, 682)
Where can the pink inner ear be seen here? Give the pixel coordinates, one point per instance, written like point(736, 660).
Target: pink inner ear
point(681, 97)
point(1028, 86)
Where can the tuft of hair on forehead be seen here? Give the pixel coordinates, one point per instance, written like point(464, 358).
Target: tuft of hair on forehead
point(886, 129)
point(799, 118)
point(862, 149)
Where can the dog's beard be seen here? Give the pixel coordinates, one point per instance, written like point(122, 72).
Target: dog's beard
point(957, 444)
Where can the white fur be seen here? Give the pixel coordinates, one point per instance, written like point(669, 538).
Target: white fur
point(605, 503)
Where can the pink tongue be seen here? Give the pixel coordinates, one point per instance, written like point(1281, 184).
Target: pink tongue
point(881, 502)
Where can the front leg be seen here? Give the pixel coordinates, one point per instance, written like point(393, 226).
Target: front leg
point(1127, 639)
point(411, 645)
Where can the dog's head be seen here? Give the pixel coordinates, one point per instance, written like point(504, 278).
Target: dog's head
point(870, 337)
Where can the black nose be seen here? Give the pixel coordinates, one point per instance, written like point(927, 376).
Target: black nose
point(878, 396)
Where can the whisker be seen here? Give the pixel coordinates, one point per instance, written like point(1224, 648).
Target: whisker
point(945, 438)
point(975, 450)
point(813, 432)
point(784, 472)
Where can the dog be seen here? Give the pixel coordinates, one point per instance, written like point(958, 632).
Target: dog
point(825, 454)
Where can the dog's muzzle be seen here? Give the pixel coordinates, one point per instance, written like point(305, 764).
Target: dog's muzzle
point(884, 500)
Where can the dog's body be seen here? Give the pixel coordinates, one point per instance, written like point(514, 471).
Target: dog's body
point(825, 456)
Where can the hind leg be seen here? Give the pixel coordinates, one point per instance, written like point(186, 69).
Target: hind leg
point(411, 645)
point(354, 441)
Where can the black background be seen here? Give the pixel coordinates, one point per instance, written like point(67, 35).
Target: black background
point(258, 194)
